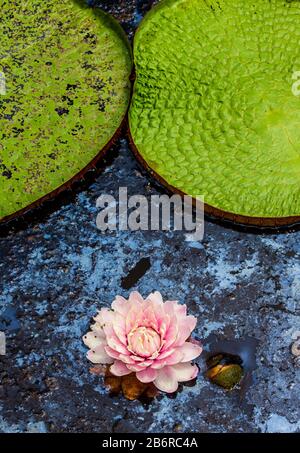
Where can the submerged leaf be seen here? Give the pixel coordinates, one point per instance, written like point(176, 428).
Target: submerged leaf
point(129, 385)
point(225, 370)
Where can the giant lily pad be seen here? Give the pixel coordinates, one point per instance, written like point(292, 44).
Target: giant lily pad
point(213, 110)
point(64, 79)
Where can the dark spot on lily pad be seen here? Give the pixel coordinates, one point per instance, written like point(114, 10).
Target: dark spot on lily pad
point(7, 174)
point(62, 111)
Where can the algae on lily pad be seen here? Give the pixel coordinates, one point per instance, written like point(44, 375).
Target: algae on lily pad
point(214, 112)
point(65, 90)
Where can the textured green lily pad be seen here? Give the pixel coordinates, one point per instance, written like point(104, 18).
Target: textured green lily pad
point(66, 70)
point(213, 112)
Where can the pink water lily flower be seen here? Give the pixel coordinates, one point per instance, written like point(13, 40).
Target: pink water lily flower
point(148, 337)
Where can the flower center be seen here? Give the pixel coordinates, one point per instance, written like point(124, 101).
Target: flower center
point(143, 341)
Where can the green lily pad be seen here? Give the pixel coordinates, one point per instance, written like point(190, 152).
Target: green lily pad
point(64, 92)
point(213, 110)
